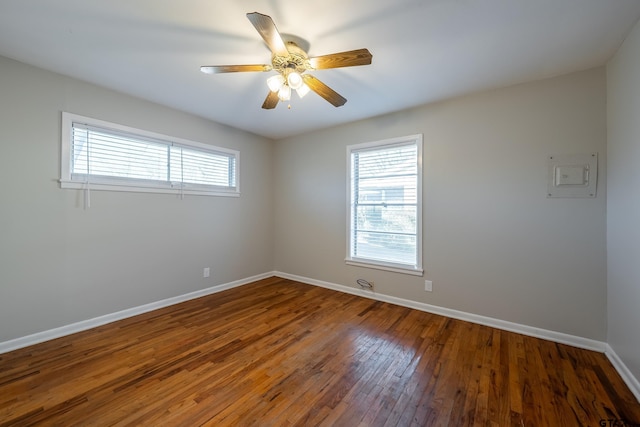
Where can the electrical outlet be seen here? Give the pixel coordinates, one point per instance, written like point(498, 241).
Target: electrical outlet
point(428, 285)
point(206, 271)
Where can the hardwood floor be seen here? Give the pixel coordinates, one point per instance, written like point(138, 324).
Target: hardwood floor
point(278, 352)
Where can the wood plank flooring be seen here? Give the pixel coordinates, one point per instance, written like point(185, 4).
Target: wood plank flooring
point(279, 353)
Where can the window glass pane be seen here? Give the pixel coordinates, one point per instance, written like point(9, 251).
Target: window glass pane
point(386, 247)
point(400, 190)
point(100, 154)
point(199, 167)
point(389, 219)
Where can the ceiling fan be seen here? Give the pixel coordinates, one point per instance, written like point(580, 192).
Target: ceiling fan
point(290, 60)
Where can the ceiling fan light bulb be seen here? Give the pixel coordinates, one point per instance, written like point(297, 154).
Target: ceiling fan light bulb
point(294, 79)
point(275, 82)
point(284, 93)
point(303, 90)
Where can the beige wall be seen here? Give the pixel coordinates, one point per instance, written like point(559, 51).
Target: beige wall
point(61, 264)
point(494, 245)
point(623, 204)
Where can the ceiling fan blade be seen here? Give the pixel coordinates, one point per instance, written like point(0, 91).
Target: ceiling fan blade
point(342, 59)
point(216, 69)
point(324, 91)
point(267, 29)
point(271, 101)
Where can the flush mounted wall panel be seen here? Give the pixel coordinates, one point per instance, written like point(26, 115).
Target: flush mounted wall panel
point(572, 175)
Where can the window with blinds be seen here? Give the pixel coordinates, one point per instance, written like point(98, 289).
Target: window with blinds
point(385, 195)
point(108, 156)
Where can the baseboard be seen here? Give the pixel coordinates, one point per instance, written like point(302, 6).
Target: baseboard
point(631, 381)
point(554, 336)
point(83, 325)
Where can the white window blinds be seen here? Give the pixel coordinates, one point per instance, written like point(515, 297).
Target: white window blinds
point(103, 155)
point(385, 202)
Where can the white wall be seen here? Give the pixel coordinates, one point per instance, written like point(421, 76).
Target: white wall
point(60, 263)
point(623, 204)
point(494, 245)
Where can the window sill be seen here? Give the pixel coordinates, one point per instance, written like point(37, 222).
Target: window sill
point(95, 186)
point(386, 267)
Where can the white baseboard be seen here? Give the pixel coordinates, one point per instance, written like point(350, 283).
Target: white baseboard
point(631, 381)
point(83, 325)
point(558, 337)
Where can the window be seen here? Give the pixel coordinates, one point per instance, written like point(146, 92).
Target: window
point(385, 203)
point(107, 156)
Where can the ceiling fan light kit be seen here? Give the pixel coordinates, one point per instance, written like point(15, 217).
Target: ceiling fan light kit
point(302, 91)
point(290, 60)
point(284, 93)
point(275, 82)
point(294, 80)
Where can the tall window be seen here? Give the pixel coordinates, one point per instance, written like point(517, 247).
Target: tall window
point(385, 200)
point(107, 156)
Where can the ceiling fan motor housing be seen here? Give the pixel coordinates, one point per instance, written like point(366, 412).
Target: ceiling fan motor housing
point(297, 60)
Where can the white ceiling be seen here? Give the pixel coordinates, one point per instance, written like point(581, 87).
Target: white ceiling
point(423, 50)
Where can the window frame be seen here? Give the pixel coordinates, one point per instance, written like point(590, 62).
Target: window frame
point(411, 269)
point(105, 183)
